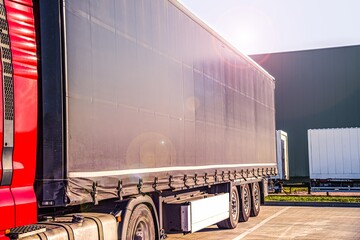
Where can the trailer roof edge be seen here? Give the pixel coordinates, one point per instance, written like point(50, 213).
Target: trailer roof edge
point(208, 28)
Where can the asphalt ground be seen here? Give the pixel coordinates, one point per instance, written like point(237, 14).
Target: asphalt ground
point(289, 222)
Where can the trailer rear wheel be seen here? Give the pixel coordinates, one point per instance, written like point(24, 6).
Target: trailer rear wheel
point(233, 219)
point(256, 198)
point(245, 206)
point(141, 225)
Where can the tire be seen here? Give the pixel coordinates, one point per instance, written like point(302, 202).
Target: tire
point(234, 207)
point(256, 199)
point(245, 206)
point(141, 225)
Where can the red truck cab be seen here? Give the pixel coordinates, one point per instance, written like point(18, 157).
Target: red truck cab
point(18, 121)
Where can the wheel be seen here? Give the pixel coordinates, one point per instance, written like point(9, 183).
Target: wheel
point(233, 220)
point(245, 206)
point(255, 197)
point(141, 225)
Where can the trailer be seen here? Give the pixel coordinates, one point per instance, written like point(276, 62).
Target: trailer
point(276, 182)
point(127, 120)
point(334, 159)
point(282, 155)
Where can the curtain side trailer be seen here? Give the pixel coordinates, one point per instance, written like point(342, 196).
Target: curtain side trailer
point(126, 120)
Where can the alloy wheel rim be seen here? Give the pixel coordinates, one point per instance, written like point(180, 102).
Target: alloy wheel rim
point(234, 207)
point(142, 231)
point(256, 197)
point(246, 201)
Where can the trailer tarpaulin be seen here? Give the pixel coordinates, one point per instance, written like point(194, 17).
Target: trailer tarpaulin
point(155, 99)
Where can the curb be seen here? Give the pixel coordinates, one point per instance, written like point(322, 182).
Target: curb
point(313, 204)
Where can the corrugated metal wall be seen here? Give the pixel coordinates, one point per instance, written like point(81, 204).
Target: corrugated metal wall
point(314, 89)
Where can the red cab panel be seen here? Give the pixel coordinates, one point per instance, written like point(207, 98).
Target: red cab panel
point(7, 209)
point(24, 2)
point(18, 201)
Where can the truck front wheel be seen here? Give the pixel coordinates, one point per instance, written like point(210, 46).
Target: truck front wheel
point(141, 225)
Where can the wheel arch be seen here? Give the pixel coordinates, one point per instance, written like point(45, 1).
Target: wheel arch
point(132, 203)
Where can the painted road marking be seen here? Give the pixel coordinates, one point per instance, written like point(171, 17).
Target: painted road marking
point(241, 236)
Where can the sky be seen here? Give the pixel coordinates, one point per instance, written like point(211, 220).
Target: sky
point(268, 26)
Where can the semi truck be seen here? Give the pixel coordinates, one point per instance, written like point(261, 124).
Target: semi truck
point(334, 159)
point(126, 119)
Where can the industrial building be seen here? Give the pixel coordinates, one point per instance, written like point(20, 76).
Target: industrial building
point(314, 89)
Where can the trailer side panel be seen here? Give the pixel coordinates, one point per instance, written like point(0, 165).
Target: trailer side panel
point(154, 97)
point(334, 153)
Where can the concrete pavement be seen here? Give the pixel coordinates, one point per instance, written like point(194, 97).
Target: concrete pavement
point(289, 222)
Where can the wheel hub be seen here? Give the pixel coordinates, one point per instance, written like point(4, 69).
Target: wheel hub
point(142, 231)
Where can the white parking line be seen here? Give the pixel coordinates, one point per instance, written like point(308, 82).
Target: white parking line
point(241, 236)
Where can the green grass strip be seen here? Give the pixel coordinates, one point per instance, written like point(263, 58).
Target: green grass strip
point(292, 198)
